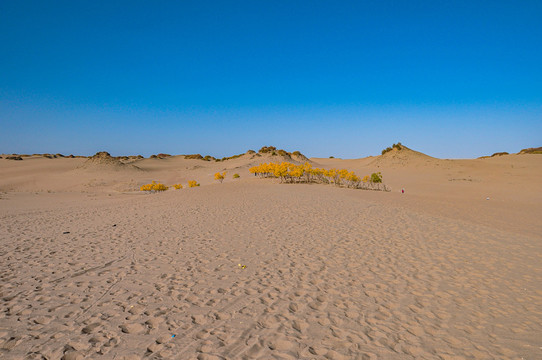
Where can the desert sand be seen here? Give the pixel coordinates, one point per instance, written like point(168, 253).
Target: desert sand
point(90, 267)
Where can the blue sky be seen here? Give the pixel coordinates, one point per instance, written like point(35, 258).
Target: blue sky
point(347, 79)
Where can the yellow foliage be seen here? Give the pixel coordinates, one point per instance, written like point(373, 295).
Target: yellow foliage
point(292, 173)
point(153, 186)
point(220, 177)
point(236, 176)
point(177, 186)
point(193, 183)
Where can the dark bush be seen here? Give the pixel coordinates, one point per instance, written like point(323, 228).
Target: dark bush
point(194, 156)
point(267, 149)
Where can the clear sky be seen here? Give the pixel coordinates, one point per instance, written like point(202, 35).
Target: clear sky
point(451, 79)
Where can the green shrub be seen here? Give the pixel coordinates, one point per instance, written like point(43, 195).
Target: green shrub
point(376, 177)
point(236, 176)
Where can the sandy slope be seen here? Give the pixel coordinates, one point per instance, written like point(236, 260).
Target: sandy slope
point(439, 272)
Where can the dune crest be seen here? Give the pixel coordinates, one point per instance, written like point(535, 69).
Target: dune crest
point(104, 161)
point(402, 156)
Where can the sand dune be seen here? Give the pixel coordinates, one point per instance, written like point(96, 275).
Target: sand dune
point(253, 269)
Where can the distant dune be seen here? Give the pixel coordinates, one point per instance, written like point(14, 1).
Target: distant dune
point(103, 161)
point(402, 156)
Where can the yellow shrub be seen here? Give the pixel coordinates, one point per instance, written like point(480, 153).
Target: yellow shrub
point(236, 176)
point(177, 186)
point(220, 177)
point(159, 187)
point(153, 186)
point(193, 183)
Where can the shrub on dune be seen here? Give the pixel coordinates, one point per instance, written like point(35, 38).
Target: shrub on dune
point(220, 176)
point(154, 187)
point(193, 183)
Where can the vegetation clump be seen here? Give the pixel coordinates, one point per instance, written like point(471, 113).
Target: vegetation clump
point(291, 173)
point(15, 157)
point(537, 150)
point(230, 157)
point(194, 156)
point(193, 183)
point(397, 146)
point(500, 154)
point(220, 176)
point(177, 186)
point(160, 156)
point(236, 176)
point(376, 177)
point(274, 152)
point(267, 149)
point(154, 187)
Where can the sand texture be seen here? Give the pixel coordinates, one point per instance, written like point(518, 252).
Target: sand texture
point(254, 269)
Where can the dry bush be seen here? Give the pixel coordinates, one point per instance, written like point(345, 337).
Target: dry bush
point(537, 150)
point(194, 156)
point(266, 149)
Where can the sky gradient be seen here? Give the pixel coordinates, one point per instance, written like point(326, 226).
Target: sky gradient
point(457, 80)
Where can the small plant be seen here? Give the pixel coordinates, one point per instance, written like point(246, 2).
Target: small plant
point(153, 187)
point(236, 176)
point(193, 183)
point(376, 177)
point(177, 186)
point(220, 176)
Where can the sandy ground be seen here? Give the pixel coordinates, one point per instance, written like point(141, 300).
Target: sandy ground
point(90, 268)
